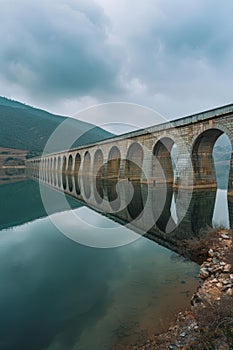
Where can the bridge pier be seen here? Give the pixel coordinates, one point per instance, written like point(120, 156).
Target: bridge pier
point(230, 180)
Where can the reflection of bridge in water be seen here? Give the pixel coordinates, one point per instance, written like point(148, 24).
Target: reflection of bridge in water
point(163, 214)
point(135, 180)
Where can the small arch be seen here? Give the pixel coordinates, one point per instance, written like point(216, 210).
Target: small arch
point(113, 173)
point(59, 171)
point(55, 171)
point(59, 164)
point(70, 164)
point(114, 159)
point(98, 176)
point(98, 163)
point(54, 164)
point(76, 173)
point(64, 173)
point(51, 164)
point(134, 160)
point(69, 171)
point(86, 163)
point(86, 174)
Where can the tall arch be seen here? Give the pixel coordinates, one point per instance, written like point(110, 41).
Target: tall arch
point(162, 167)
point(202, 158)
point(134, 160)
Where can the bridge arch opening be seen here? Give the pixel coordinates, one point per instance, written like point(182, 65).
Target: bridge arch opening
point(164, 161)
point(98, 174)
point(86, 174)
point(69, 172)
point(54, 164)
point(59, 164)
point(113, 166)
point(211, 154)
point(134, 160)
point(98, 163)
point(113, 173)
point(59, 171)
point(55, 171)
point(77, 165)
point(49, 170)
point(64, 173)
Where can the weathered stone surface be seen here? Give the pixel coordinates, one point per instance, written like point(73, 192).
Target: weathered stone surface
point(204, 273)
point(224, 236)
point(227, 268)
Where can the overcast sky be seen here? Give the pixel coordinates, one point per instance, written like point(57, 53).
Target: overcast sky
point(65, 55)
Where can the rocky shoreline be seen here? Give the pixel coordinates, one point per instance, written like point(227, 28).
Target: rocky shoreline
point(209, 323)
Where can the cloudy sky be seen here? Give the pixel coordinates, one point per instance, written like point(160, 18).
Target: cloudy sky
point(66, 55)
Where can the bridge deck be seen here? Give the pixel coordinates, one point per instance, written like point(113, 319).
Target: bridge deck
point(191, 119)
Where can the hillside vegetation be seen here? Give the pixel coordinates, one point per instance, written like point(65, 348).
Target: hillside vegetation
point(25, 127)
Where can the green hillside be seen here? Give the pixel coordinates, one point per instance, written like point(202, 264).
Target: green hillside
point(25, 127)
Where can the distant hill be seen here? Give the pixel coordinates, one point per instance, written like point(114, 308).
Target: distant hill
point(28, 128)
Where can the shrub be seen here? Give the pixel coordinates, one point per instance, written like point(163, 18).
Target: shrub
point(215, 323)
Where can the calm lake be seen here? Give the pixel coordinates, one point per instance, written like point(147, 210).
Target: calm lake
point(57, 294)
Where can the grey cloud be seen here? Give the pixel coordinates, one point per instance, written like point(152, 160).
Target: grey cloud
point(170, 55)
point(57, 48)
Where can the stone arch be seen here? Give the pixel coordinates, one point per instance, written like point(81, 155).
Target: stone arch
point(114, 160)
point(134, 161)
point(113, 173)
point(54, 164)
point(162, 166)
point(86, 174)
point(51, 164)
point(59, 164)
point(98, 166)
point(64, 173)
point(59, 171)
point(229, 133)
point(98, 163)
point(70, 164)
point(69, 172)
point(77, 164)
point(202, 158)
point(54, 172)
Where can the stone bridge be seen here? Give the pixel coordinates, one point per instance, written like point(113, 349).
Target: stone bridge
point(145, 155)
